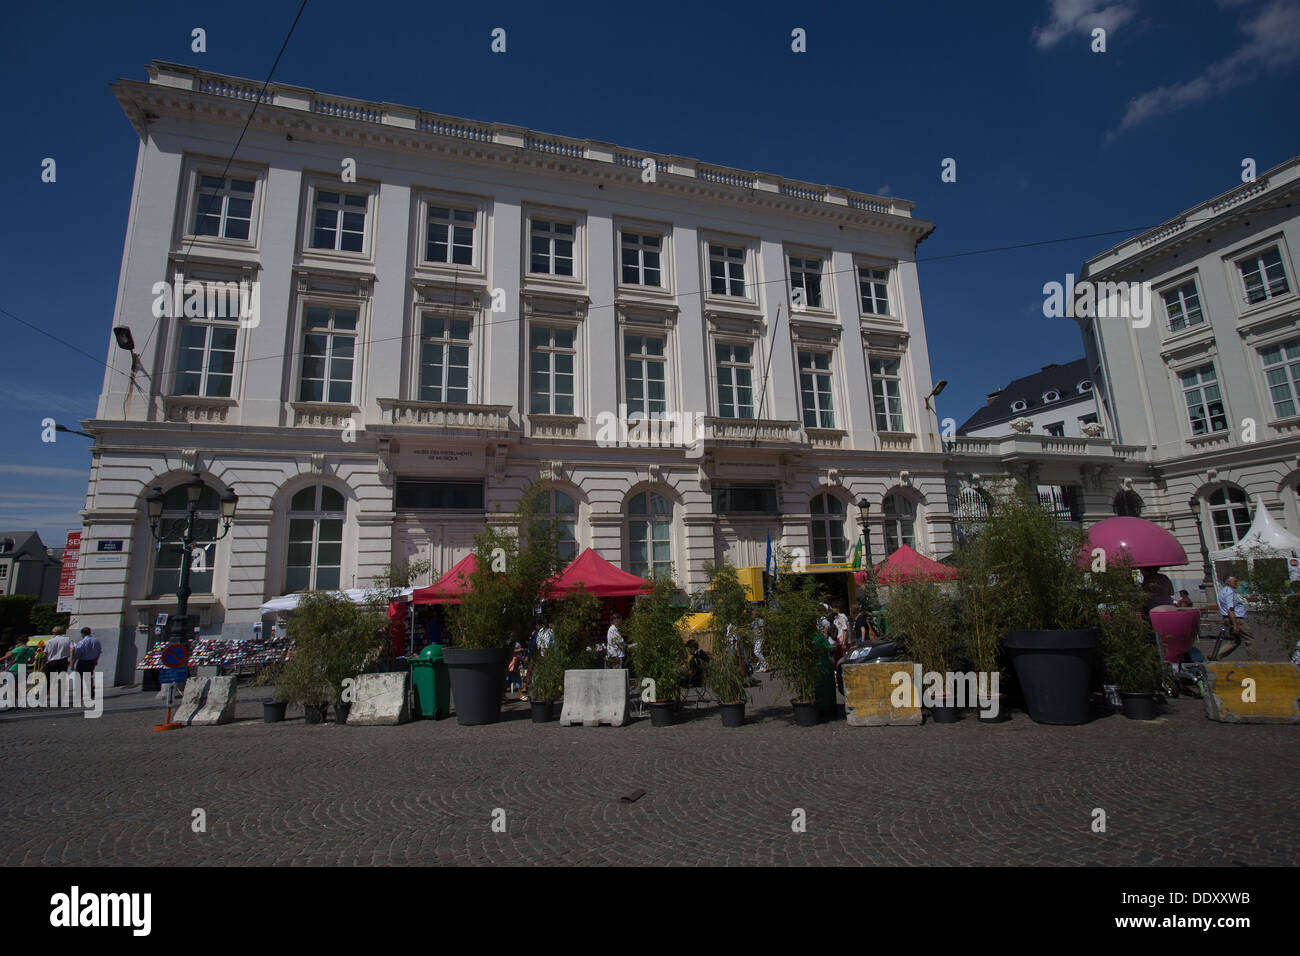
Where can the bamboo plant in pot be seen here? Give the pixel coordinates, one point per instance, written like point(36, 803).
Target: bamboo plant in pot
point(658, 651)
point(923, 617)
point(791, 644)
point(725, 672)
point(1041, 587)
point(979, 618)
point(574, 619)
point(334, 639)
point(1127, 645)
point(516, 563)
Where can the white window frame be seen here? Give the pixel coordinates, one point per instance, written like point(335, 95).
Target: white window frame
point(1290, 366)
point(333, 306)
point(805, 258)
point(641, 233)
point(446, 342)
point(316, 515)
point(552, 351)
point(316, 185)
point(565, 518)
point(861, 266)
point(651, 520)
point(198, 167)
point(575, 218)
point(821, 528)
point(1237, 528)
point(1255, 255)
point(1177, 289)
point(817, 411)
point(896, 377)
point(1199, 386)
point(748, 246)
point(645, 359)
point(732, 342)
point(898, 523)
point(209, 326)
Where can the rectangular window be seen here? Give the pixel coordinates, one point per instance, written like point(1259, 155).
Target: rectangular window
point(329, 348)
point(744, 499)
point(1204, 403)
point(167, 561)
point(727, 270)
point(205, 365)
point(444, 359)
point(641, 259)
point(1183, 306)
point(449, 236)
point(873, 284)
point(551, 247)
point(1282, 369)
point(339, 221)
point(806, 282)
point(887, 395)
point(643, 375)
point(1262, 275)
point(438, 496)
point(815, 389)
point(1055, 430)
point(224, 207)
point(735, 381)
point(550, 371)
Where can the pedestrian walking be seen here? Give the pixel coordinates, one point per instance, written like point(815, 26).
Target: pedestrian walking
point(87, 652)
point(615, 649)
point(58, 651)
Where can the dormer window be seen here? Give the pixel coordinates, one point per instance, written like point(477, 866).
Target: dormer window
point(1084, 387)
point(1051, 395)
point(1019, 405)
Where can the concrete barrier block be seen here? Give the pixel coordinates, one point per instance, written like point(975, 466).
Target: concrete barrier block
point(207, 701)
point(1251, 692)
point(381, 700)
point(869, 692)
point(594, 697)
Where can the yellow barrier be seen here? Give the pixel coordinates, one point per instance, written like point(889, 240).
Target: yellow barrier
point(1253, 693)
point(869, 695)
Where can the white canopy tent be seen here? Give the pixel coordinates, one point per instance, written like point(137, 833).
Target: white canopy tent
point(288, 603)
point(1265, 539)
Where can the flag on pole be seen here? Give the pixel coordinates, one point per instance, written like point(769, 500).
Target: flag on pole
point(857, 556)
point(771, 557)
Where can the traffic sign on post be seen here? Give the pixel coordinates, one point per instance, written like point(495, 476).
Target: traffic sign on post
point(174, 655)
point(173, 659)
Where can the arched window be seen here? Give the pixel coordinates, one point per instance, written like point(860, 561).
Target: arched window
point(564, 513)
point(315, 561)
point(1019, 405)
point(649, 534)
point(1230, 515)
point(900, 523)
point(971, 506)
point(828, 542)
point(167, 559)
point(1052, 395)
point(1085, 386)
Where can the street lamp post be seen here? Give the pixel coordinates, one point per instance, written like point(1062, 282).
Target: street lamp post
point(193, 493)
point(1207, 573)
point(864, 511)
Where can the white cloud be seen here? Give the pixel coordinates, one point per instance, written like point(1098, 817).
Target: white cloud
point(50, 402)
point(1080, 16)
point(885, 190)
point(1272, 42)
point(47, 471)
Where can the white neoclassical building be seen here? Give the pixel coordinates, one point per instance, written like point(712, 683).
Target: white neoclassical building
point(1208, 391)
point(446, 308)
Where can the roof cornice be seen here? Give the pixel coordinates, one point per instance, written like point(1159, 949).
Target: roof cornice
point(183, 92)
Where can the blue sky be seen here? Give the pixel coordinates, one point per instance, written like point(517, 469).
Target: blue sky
point(1051, 140)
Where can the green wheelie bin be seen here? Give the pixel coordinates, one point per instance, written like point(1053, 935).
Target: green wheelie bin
point(430, 682)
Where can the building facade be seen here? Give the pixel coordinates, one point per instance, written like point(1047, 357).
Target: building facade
point(27, 566)
point(1057, 400)
point(1206, 388)
point(432, 311)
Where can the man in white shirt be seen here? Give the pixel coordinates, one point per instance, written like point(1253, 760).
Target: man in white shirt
point(58, 651)
point(615, 651)
point(1233, 610)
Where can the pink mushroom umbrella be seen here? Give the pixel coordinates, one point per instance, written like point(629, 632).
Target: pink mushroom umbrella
point(1146, 543)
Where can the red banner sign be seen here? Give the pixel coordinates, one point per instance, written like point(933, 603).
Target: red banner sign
point(68, 573)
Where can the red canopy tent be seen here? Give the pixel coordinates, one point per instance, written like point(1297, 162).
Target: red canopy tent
point(907, 563)
point(599, 577)
point(448, 588)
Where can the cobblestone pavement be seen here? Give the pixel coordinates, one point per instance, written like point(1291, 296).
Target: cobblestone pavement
point(1181, 790)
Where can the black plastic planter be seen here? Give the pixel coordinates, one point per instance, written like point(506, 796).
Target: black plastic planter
point(663, 713)
point(1138, 706)
point(543, 711)
point(1054, 669)
point(478, 678)
point(733, 715)
point(805, 712)
point(998, 710)
point(314, 713)
point(341, 712)
point(945, 713)
point(273, 711)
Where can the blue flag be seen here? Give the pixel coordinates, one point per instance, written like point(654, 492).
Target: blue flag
point(771, 558)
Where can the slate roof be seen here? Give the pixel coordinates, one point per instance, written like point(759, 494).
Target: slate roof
point(1064, 379)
